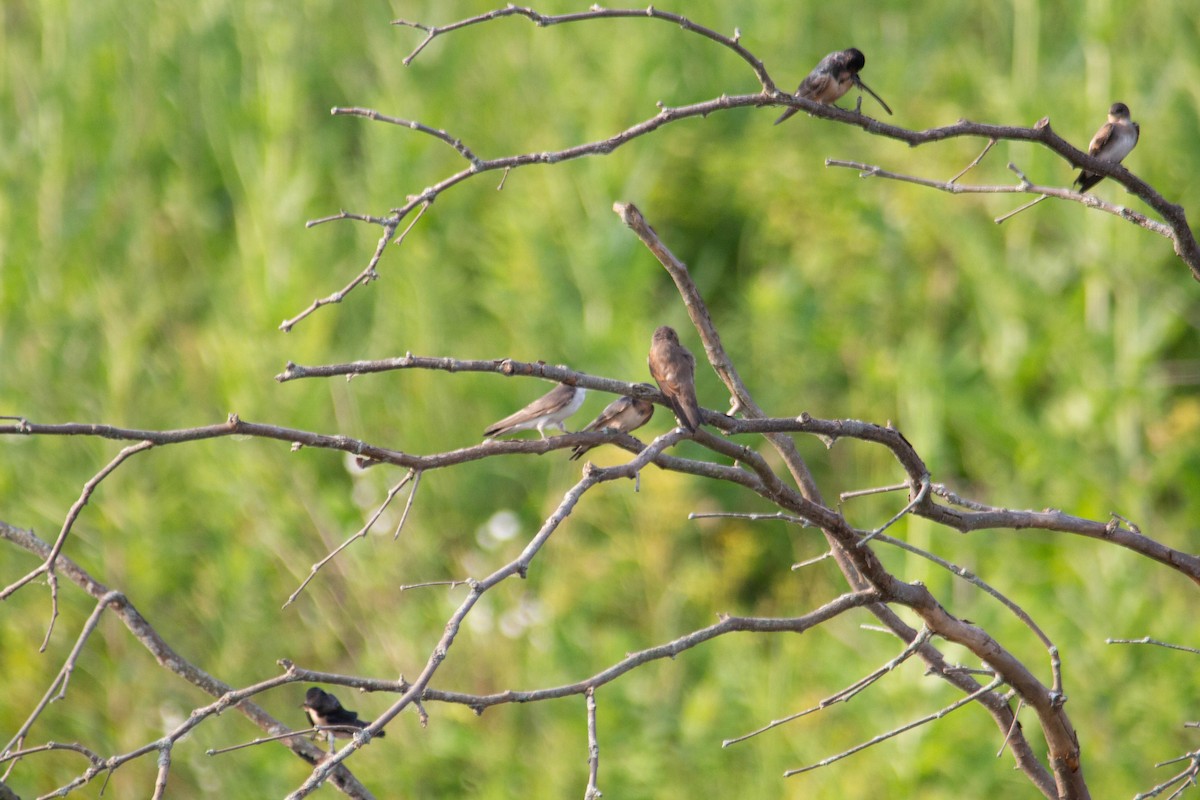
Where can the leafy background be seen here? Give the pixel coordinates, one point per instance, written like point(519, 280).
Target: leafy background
point(158, 164)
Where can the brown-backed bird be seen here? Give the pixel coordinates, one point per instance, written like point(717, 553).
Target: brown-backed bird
point(1112, 142)
point(674, 370)
point(624, 414)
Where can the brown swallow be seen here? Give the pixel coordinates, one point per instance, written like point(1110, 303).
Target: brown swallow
point(832, 78)
point(1115, 140)
point(674, 370)
point(549, 410)
point(326, 711)
point(624, 414)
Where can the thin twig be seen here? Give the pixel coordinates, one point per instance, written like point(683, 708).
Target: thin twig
point(1187, 777)
point(916, 501)
point(216, 751)
point(436, 133)
point(58, 687)
point(593, 786)
point(1148, 640)
point(226, 696)
point(1089, 200)
point(991, 143)
point(1012, 728)
point(546, 20)
point(897, 731)
point(412, 495)
point(846, 694)
point(47, 567)
point(164, 768)
point(359, 534)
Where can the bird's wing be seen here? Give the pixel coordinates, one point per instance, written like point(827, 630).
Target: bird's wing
point(815, 86)
point(610, 413)
point(1101, 138)
point(553, 400)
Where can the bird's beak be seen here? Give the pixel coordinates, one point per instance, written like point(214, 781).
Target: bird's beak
point(867, 89)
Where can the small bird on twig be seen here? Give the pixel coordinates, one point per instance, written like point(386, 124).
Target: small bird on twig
point(674, 370)
point(1115, 140)
point(326, 711)
point(549, 410)
point(624, 414)
point(832, 78)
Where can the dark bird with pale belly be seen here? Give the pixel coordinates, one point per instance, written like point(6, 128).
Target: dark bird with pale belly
point(832, 78)
point(326, 711)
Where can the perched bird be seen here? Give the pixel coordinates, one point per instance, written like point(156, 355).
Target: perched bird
point(674, 370)
point(624, 414)
point(1115, 140)
point(549, 410)
point(1112, 142)
point(325, 710)
point(832, 78)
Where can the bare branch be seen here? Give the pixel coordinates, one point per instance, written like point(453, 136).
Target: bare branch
point(896, 732)
point(669, 650)
point(166, 657)
point(360, 533)
point(1041, 133)
point(47, 568)
point(58, 687)
point(991, 143)
point(1148, 640)
point(846, 694)
point(436, 133)
point(546, 20)
point(1089, 200)
point(1186, 778)
point(593, 787)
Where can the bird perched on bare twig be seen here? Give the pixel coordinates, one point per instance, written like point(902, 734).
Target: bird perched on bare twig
point(1115, 140)
point(832, 78)
point(624, 414)
point(674, 370)
point(326, 711)
point(548, 411)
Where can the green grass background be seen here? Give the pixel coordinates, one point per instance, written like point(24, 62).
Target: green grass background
point(158, 163)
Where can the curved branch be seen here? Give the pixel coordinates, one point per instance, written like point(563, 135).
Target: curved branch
point(169, 659)
point(1024, 187)
point(546, 20)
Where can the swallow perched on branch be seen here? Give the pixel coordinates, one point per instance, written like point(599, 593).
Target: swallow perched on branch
point(547, 411)
point(674, 370)
point(832, 78)
point(1115, 140)
point(326, 711)
point(624, 414)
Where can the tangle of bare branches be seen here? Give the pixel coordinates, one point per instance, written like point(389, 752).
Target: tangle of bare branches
point(743, 448)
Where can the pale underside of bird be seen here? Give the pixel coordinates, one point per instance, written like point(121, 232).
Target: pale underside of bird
point(624, 414)
point(548, 411)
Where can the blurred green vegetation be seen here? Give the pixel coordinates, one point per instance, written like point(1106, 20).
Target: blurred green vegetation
point(158, 166)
